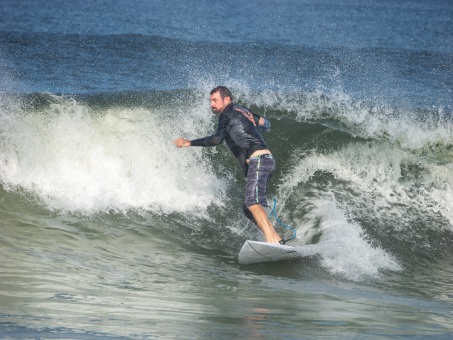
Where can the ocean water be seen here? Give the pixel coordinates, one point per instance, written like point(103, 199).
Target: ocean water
point(108, 231)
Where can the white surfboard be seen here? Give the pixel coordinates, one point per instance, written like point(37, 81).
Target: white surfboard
point(256, 252)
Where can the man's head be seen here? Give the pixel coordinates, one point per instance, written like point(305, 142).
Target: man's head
point(220, 97)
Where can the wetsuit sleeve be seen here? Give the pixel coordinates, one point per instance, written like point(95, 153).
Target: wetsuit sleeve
point(265, 127)
point(261, 128)
point(215, 139)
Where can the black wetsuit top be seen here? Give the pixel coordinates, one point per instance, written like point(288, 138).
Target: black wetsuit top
point(240, 128)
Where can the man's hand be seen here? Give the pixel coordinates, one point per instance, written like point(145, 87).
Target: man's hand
point(181, 142)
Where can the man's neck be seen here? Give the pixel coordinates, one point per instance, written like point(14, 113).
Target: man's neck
point(231, 103)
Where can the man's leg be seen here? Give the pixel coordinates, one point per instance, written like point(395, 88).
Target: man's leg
point(260, 216)
point(259, 172)
point(248, 214)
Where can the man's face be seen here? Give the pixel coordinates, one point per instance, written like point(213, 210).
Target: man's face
point(217, 103)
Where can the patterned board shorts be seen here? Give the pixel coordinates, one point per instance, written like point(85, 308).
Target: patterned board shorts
point(261, 169)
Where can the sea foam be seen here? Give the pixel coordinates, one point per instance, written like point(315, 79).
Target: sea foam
point(75, 159)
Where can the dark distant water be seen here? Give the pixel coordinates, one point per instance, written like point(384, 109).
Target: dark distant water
point(109, 231)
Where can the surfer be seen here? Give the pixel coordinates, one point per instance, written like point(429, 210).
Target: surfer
point(241, 130)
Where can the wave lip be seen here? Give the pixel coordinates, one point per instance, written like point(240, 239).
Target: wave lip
point(74, 159)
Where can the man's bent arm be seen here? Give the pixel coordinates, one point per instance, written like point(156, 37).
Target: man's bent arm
point(264, 125)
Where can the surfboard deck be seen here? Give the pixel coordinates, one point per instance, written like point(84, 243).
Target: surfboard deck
point(256, 252)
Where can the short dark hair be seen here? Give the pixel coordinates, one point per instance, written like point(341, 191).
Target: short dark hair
point(223, 91)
